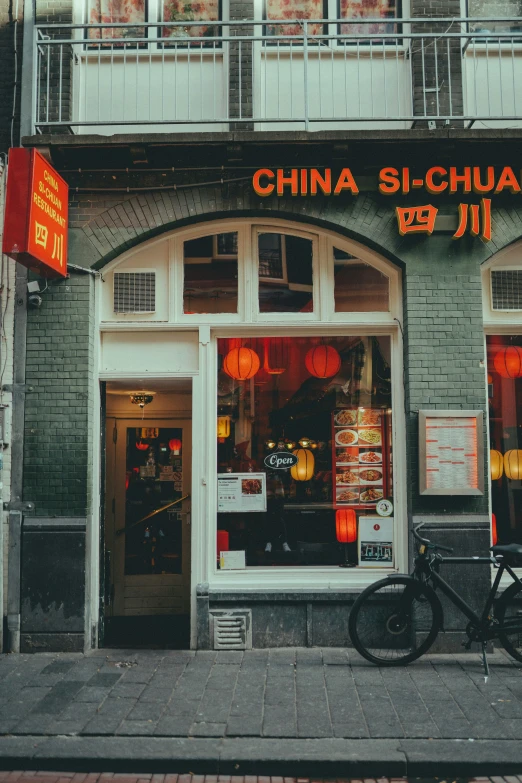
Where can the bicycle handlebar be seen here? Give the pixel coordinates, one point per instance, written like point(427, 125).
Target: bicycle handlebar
point(427, 542)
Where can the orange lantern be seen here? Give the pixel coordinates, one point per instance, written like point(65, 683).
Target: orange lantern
point(513, 464)
point(141, 446)
point(346, 525)
point(508, 362)
point(494, 535)
point(222, 541)
point(241, 363)
point(304, 469)
point(175, 445)
point(223, 427)
point(276, 355)
point(496, 464)
point(323, 361)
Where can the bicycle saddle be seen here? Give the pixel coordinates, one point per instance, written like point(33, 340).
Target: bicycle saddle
point(509, 551)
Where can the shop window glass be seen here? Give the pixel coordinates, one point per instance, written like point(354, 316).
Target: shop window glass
point(210, 274)
point(119, 11)
point(359, 287)
point(273, 399)
point(285, 274)
point(500, 9)
point(504, 385)
point(153, 481)
point(181, 11)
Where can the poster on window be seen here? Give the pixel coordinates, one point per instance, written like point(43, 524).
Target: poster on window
point(241, 492)
point(375, 541)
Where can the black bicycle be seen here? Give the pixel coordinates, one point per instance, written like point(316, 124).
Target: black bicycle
point(396, 620)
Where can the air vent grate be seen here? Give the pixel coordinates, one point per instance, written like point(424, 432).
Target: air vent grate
point(231, 630)
point(134, 292)
point(506, 289)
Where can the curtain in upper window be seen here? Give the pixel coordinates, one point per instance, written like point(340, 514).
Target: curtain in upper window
point(119, 11)
point(368, 9)
point(181, 11)
point(280, 10)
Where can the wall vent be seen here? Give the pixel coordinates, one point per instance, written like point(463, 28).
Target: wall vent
point(506, 289)
point(134, 292)
point(231, 629)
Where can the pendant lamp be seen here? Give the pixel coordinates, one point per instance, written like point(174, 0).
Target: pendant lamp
point(346, 531)
point(513, 464)
point(496, 464)
point(323, 361)
point(304, 469)
point(508, 362)
point(494, 534)
point(141, 446)
point(241, 363)
point(175, 445)
point(276, 355)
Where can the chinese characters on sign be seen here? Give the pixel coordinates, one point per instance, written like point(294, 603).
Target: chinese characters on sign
point(36, 214)
point(474, 219)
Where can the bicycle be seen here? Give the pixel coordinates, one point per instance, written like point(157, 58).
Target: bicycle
point(397, 619)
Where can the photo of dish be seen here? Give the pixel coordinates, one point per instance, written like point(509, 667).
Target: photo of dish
point(346, 437)
point(345, 418)
point(251, 487)
point(372, 437)
point(369, 417)
point(371, 495)
point(347, 495)
point(370, 457)
point(370, 475)
point(347, 477)
point(347, 457)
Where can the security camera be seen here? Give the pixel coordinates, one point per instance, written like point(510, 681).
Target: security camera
point(35, 300)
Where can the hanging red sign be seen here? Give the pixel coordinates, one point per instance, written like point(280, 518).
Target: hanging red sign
point(36, 214)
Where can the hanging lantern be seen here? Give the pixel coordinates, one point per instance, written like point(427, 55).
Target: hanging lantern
point(141, 446)
point(223, 427)
point(346, 525)
point(494, 534)
point(276, 355)
point(304, 469)
point(496, 464)
point(508, 362)
point(290, 445)
point(241, 363)
point(323, 361)
point(513, 464)
point(305, 442)
point(175, 445)
point(270, 444)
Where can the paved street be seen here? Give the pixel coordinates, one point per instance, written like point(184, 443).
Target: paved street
point(291, 693)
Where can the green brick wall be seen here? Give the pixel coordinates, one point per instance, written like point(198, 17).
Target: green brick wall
point(59, 409)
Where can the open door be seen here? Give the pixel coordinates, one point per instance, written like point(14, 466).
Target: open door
point(148, 532)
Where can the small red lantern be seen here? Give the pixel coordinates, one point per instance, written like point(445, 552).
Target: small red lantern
point(346, 531)
point(141, 446)
point(508, 362)
point(222, 541)
point(494, 534)
point(276, 355)
point(175, 445)
point(241, 363)
point(323, 361)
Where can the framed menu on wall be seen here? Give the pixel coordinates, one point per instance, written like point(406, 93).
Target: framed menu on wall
point(451, 453)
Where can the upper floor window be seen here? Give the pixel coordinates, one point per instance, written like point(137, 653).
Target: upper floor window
point(136, 11)
point(509, 9)
point(358, 287)
point(285, 274)
point(210, 274)
point(296, 10)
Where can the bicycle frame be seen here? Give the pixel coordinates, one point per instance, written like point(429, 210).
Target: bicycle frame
point(424, 565)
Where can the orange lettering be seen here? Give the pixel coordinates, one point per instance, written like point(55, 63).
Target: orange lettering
point(292, 180)
point(455, 179)
point(304, 182)
point(325, 183)
point(262, 190)
point(431, 187)
point(346, 182)
point(507, 181)
point(389, 180)
point(478, 187)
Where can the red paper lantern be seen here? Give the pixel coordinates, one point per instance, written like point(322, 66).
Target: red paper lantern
point(276, 355)
point(346, 525)
point(241, 363)
point(222, 541)
point(175, 444)
point(494, 534)
point(142, 446)
point(508, 362)
point(323, 361)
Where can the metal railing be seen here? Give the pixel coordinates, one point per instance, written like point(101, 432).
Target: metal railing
point(307, 74)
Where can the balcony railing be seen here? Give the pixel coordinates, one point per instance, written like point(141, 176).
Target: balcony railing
point(297, 74)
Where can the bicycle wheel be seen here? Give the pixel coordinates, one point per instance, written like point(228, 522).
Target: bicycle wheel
point(395, 621)
point(509, 609)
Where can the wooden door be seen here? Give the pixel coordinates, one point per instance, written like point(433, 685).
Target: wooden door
point(147, 532)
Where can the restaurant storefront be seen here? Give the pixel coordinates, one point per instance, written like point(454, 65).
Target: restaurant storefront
point(256, 363)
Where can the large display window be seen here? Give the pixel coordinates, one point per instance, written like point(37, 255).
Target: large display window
point(304, 450)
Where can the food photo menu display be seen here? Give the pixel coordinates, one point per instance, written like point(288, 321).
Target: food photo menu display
point(360, 456)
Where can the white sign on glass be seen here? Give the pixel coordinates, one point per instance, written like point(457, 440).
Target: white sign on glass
point(241, 492)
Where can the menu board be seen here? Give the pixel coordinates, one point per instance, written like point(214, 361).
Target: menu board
point(359, 460)
point(241, 492)
point(451, 453)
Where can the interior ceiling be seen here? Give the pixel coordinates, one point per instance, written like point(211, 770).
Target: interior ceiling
point(158, 385)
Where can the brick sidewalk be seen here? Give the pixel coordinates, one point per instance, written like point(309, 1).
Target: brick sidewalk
point(278, 693)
